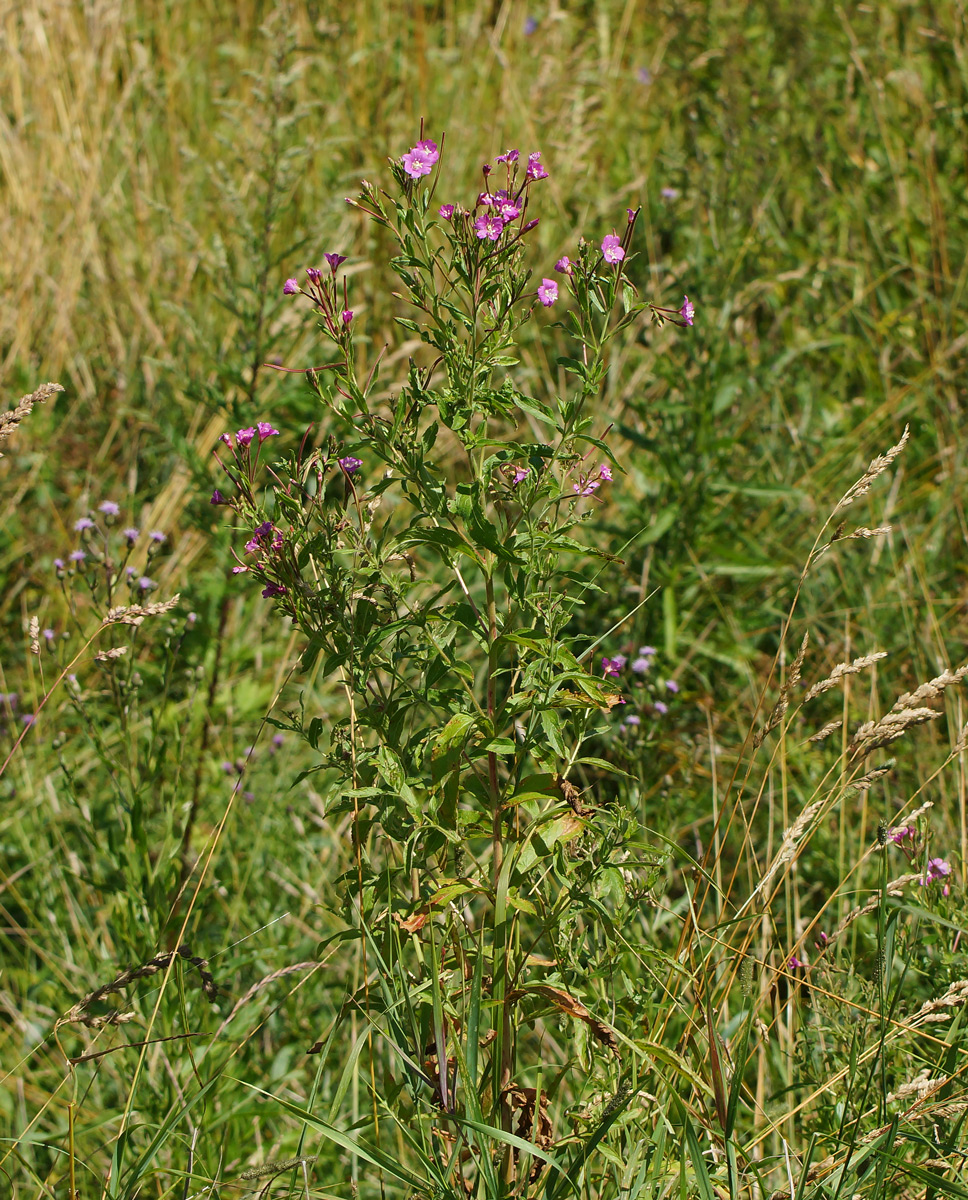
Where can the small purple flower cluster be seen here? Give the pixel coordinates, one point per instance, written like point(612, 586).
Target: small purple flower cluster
point(420, 160)
point(640, 666)
point(496, 209)
point(324, 293)
point(588, 485)
point(245, 437)
point(96, 548)
point(907, 838)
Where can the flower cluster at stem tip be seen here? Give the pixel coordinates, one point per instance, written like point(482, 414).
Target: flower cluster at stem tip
point(642, 689)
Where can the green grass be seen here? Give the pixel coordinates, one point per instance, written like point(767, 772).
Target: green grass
point(164, 169)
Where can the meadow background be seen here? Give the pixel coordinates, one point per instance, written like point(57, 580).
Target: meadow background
point(164, 167)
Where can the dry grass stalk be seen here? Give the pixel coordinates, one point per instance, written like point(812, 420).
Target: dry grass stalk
point(894, 889)
point(877, 467)
point(928, 691)
point(783, 703)
point(107, 655)
point(79, 1013)
point(33, 632)
point(842, 669)
point(919, 1087)
point(865, 781)
point(962, 743)
point(10, 420)
point(874, 734)
point(912, 818)
point(825, 731)
point(789, 845)
point(862, 531)
point(954, 997)
point(134, 614)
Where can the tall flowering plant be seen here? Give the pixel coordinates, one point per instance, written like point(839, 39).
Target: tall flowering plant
point(427, 549)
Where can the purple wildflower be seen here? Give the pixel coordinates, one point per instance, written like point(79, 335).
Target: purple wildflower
point(420, 160)
point(446, 211)
point(290, 287)
point(157, 537)
point(547, 292)
point(660, 708)
point(277, 740)
point(509, 156)
point(314, 273)
point(586, 487)
point(937, 869)
point(612, 248)
point(217, 498)
point(488, 226)
point(612, 666)
point(77, 556)
point(226, 438)
point(273, 589)
point(563, 265)
point(334, 261)
point(83, 524)
point(633, 720)
point(644, 75)
point(131, 535)
point(48, 635)
point(794, 963)
point(688, 311)
point(58, 564)
point(605, 472)
point(901, 834)
point(669, 193)
point(266, 430)
point(641, 664)
point(259, 538)
point(146, 584)
point(245, 436)
point(350, 464)
point(28, 718)
point(671, 685)
point(109, 508)
point(520, 475)
point(650, 650)
point(346, 316)
point(535, 169)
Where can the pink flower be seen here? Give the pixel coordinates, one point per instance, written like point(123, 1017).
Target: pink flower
point(488, 227)
point(314, 273)
point(937, 869)
point(245, 436)
point(266, 430)
point(420, 159)
point(671, 685)
point(611, 666)
point(334, 261)
point(605, 472)
point(350, 464)
point(535, 169)
point(446, 211)
point(612, 248)
point(586, 487)
point(688, 311)
point(273, 589)
point(290, 287)
point(226, 438)
point(563, 265)
point(508, 210)
point(346, 316)
point(510, 156)
point(520, 475)
point(660, 708)
point(547, 292)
